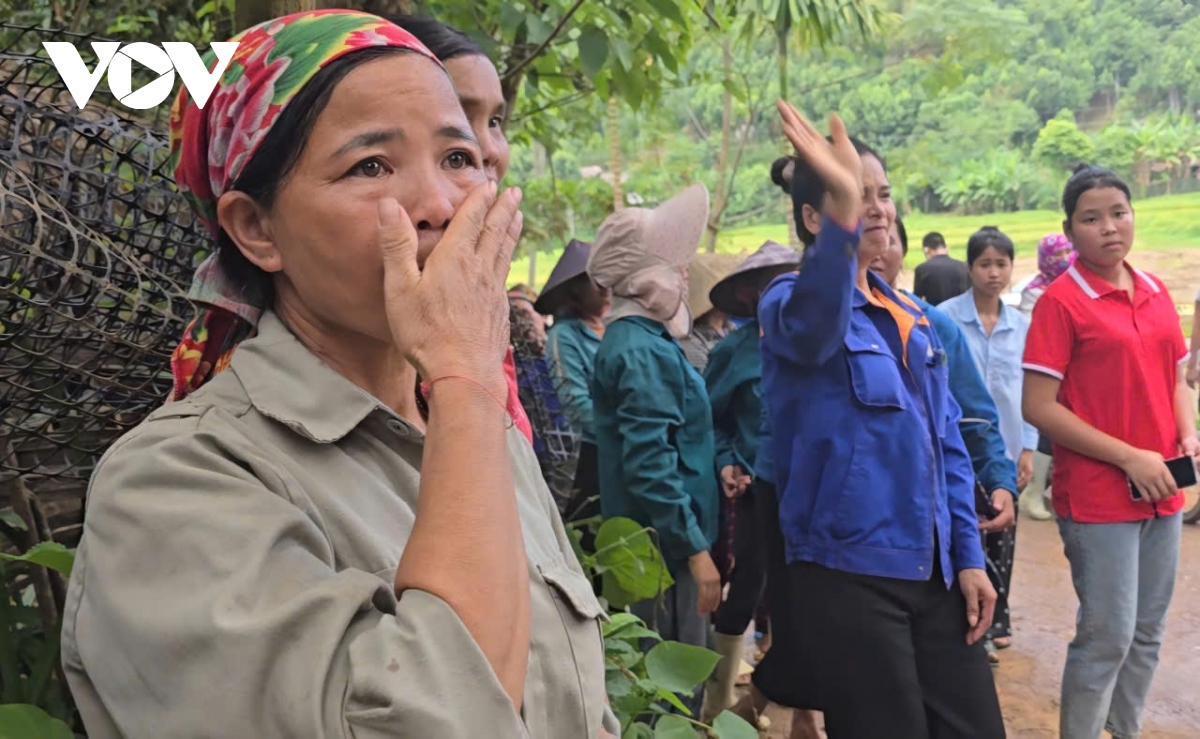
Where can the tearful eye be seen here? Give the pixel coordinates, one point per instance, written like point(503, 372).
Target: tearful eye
point(369, 168)
point(460, 160)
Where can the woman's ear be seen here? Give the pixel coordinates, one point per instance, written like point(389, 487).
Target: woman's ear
point(249, 227)
point(811, 217)
point(1067, 230)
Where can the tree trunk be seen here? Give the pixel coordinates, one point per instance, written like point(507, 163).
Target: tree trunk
point(252, 12)
point(614, 153)
point(723, 185)
point(781, 57)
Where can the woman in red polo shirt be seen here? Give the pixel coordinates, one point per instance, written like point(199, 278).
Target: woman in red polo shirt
point(1103, 381)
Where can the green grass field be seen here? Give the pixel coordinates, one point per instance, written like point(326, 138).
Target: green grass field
point(1171, 222)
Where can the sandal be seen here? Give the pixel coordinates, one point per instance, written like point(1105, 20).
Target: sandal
point(1002, 642)
point(992, 654)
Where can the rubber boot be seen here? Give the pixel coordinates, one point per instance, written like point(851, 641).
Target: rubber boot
point(1033, 500)
point(718, 691)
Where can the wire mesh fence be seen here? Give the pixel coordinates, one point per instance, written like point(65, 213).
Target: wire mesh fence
point(96, 252)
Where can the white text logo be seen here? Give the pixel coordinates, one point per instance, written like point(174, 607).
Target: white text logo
point(174, 56)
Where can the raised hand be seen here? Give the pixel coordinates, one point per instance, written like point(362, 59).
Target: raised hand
point(452, 317)
point(837, 164)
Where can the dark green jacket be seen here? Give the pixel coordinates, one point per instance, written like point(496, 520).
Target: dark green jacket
point(734, 379)
point(571, 347)
point(654, 438)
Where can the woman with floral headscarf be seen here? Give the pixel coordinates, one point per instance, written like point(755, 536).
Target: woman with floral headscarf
point(342, 529)
point(1055, 256)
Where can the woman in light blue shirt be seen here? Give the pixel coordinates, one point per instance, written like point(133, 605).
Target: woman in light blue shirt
point(995, 334)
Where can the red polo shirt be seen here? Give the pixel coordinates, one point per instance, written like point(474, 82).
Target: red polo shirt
point(1117, 360)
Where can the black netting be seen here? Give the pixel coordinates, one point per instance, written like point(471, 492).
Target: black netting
point(555, 441)
point(96, 252)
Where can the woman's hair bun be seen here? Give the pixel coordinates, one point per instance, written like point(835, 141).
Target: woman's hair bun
point(1081, 168)
point(779, 175)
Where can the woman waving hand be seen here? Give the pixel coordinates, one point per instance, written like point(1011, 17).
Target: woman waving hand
point(876, 500)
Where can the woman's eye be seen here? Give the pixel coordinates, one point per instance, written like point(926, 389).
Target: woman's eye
point(372, 167)
point(495, 122)
point(460, 160)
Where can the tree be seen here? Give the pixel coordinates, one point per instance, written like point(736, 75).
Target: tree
point(1061, 144)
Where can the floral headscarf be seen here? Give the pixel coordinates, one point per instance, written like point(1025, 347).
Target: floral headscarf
point(1051, 265)
point(210, 147)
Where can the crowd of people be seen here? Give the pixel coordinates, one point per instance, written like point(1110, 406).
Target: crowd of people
point(349, 521)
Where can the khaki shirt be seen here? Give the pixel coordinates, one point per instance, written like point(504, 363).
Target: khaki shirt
point(235, 577)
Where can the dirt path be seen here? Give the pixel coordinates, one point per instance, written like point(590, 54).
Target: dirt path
point(1030, 673)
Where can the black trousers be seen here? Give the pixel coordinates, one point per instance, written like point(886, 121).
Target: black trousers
point(1000, 549)
point(585, 499)
point(889, 658)
point(747, 576)
point(778, 675)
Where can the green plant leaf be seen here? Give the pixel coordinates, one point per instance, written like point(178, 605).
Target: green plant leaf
point(628, 627)
point(729, 725)
point(670, 9)
point(633, 569)
point(665, 695)
point(11, 518)
point(48, 554)
point(680, 667)
point(20, 721)
point(593, 50)
point(673, 727)
point(624, 52)
point(638, 731)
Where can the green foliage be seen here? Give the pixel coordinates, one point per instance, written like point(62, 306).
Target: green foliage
point(34, 701)
point(48, 554)
point(643, 685)
point(19, 721)
point(1061, 144)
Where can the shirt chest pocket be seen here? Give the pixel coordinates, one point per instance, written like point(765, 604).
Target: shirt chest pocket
point(571, 659)
point(874, 375)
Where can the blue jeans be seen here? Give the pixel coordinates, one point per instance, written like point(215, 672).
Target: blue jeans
point(1124, 575)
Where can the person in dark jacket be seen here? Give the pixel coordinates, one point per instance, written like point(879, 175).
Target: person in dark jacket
point(654, 436)
point(578, 305)
point(876, 490)
point(942, 276)
point(733, 376)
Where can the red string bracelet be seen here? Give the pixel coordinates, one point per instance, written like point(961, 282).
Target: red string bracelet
point(509, 422)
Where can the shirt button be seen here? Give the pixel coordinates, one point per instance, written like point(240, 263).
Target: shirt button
point(398, 427)
point(874, 346)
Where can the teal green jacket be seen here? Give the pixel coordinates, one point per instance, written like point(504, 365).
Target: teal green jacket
point(654, 438)
point(734, 379)
point(571, 348)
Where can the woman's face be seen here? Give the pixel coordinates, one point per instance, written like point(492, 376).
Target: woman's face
point(889, 263)
point(596, 300)
point(879, 211)
point(991, 272)
point(393, 128)
point(1102, 227)
point(482, 99)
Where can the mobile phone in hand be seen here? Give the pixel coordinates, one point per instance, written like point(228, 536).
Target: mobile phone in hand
point(1183, 469)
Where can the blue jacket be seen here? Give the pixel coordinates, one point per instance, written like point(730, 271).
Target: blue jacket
point(981, 420)
point(872, 472)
